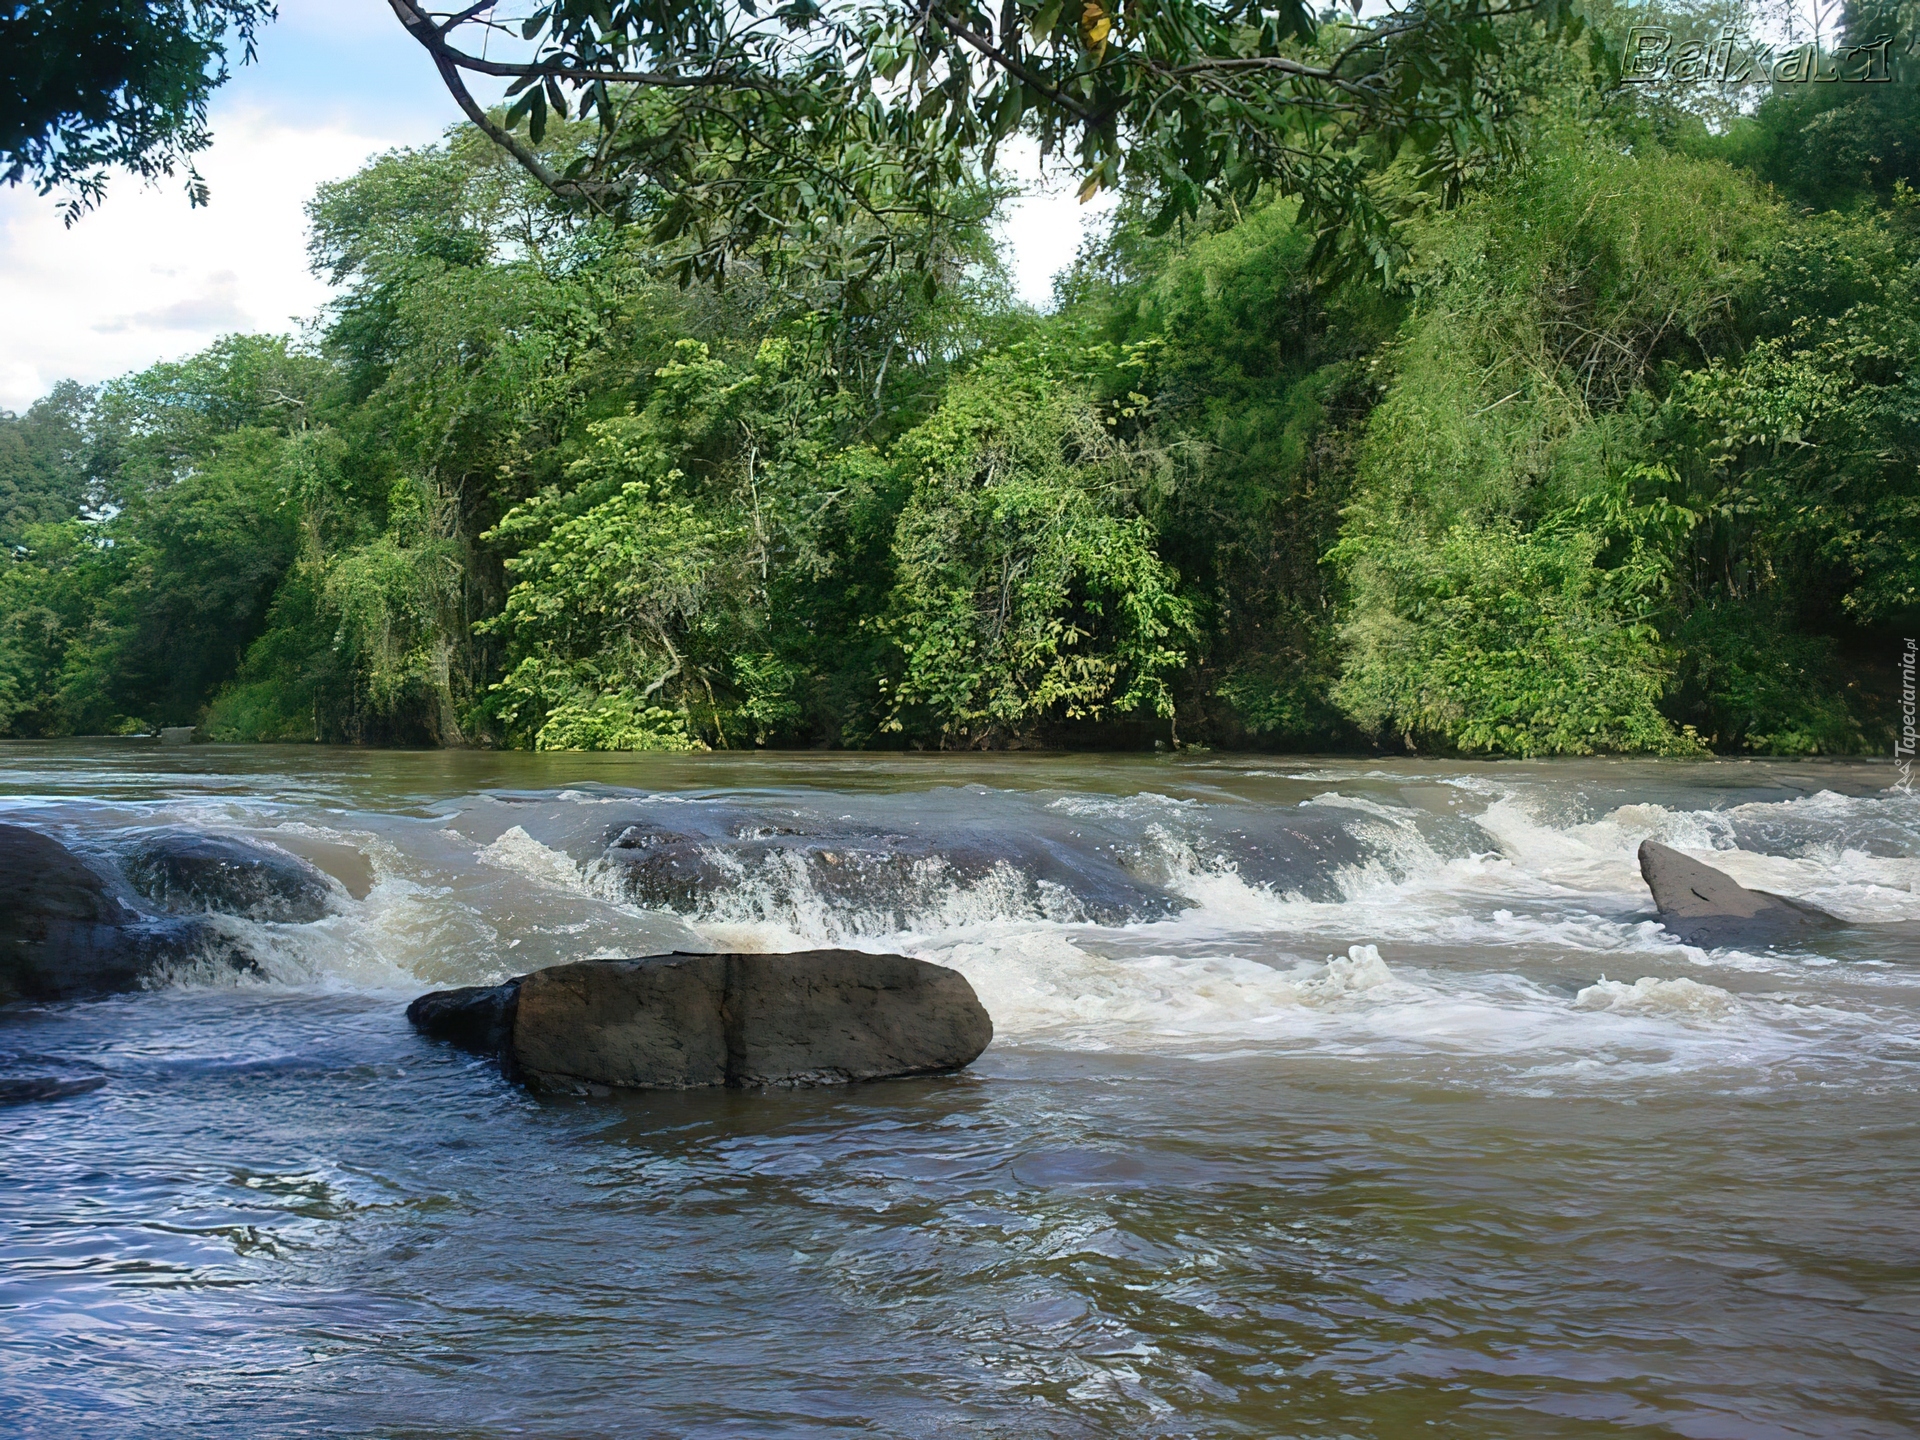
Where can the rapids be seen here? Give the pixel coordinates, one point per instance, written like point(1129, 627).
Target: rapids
point(1328, 1098)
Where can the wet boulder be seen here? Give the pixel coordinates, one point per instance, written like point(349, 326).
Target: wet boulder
point(1702, 906)
point(885, 874)
point(64, 934)
point(474, 1017)
point(61, 929)
point(681, 1021)
point(827, 1016)
point(184, 871)
point(660, 867)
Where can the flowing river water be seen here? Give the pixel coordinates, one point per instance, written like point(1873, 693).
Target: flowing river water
point(1329, 1098)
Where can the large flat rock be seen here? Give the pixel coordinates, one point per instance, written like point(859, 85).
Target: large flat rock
point(832, 1015)
point(680, 1021)
point(652, 1024)
point(1703, 906)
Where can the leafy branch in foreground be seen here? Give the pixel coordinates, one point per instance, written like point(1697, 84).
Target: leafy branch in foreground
point(728, 122)
point(88, 88)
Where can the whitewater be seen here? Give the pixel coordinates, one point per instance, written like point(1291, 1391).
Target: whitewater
point(1328, 1097)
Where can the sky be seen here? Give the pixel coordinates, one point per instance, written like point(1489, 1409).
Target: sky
point(146, 277)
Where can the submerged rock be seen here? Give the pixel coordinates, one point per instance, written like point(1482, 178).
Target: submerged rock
point(64, 934)
point(1705, 907)
point(680, 1021)
point(25, 1089)
point(878, 873)
point(187, 870)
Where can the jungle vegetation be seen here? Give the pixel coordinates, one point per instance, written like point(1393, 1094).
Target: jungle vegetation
point(1606, 441)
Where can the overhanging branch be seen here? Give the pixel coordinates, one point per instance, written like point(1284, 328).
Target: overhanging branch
point(428, 34)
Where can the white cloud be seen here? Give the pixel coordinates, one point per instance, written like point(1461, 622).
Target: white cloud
point(146, 277)
point(216, 306)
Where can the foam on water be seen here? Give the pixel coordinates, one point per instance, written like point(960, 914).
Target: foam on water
point(1650, 995)
point(1603, 854)
point(1236, 968)
point(519, 852)
point(1499, 914)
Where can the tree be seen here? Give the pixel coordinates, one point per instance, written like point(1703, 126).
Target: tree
point(123, 84)
point(1026, 592)
point(729, 124)
point(43, 461)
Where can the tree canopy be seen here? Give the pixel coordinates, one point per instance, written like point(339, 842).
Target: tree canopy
point(733, 123)
point(86, 89)
point(1622, 454)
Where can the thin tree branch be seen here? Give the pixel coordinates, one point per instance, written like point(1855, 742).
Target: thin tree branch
point(453, 22)
point(433, 37)
point(1014, 68)
point(422, 29)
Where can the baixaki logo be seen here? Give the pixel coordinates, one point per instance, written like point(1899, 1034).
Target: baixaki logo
point(1652, 58)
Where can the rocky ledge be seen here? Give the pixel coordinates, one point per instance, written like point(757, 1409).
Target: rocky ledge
point(681, 1021)
point(185, 871)
point(70, 926)
point(1702, 906)
point(64, 934)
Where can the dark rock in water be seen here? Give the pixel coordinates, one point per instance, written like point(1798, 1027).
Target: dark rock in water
point(64, 934)
point(45, 880)
point(61, 930)
point(680, 1021)
point(878, 872)
point(649, 837)
point(186, 870)
point(825, 1016)
point(651, 1024)
point(1704, 907)
point(474, 1017)
point(670, 873)
point(24, 1089)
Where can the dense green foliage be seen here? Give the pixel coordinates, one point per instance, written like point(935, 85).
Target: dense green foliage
point(113, 84)
point(748, 130)
point(1623, 455)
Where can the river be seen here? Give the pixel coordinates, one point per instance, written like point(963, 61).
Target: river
point(1329, 1098)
